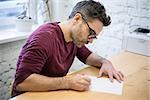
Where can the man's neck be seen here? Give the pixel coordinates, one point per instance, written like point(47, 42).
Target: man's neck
point(65, 27)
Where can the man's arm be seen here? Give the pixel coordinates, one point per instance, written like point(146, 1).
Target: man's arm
point(36, 82)
point(106, 67)
point(96, 60)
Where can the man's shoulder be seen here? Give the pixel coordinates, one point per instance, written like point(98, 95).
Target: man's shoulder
point(49, 26)
point(45, 33)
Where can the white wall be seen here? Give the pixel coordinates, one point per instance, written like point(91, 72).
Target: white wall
point(61, 9)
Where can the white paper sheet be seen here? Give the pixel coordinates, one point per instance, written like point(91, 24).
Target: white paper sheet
point(104, 85)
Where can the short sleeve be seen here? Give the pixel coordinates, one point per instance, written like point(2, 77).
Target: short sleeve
point(83, 53)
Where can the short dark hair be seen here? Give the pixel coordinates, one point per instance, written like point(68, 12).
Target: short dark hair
point(91, 10)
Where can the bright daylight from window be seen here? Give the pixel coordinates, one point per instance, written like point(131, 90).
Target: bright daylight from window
point(9, 10)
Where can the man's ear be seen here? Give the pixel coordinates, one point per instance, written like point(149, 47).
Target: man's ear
point(77, 17)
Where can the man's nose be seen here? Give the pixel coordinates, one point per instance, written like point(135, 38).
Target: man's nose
point(90, 40)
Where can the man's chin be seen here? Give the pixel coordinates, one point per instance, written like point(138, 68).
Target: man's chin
point(79, 45)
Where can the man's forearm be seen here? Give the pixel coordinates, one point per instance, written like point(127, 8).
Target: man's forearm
point(96, 60)
point(36, 82)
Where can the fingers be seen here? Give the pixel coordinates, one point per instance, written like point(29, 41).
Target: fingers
point(85, 82)
point(110, 74)
point(100, 73)
point(86, 77)
point(83, 87)
point(120, 75)
point(81, 82)
point(117, 76)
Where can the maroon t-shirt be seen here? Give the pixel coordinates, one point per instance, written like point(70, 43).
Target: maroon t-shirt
point(47, 53)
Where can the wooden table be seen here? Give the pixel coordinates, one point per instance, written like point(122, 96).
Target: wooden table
point(136, 69)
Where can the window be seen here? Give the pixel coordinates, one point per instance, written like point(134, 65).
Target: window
point(9, 10)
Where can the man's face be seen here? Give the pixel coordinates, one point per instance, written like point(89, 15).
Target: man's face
point(84, 32)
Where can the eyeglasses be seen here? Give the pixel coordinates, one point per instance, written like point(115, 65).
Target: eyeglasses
point(91, 31)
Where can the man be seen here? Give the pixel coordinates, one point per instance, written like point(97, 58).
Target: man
point(50, 50)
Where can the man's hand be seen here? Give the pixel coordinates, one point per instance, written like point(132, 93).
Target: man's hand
point(78, 82)
point(108, 69)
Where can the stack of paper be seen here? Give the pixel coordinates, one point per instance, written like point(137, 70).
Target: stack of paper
point(104, 85)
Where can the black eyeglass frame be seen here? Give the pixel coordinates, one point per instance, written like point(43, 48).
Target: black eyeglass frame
point(91, 31)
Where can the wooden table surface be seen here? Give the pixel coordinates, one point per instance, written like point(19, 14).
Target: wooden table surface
point(136, 69)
